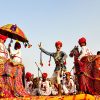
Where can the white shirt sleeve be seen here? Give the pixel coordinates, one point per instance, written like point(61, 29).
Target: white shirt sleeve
point(84, 52)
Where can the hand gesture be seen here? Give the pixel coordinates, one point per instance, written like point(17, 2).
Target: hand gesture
point(39, 45)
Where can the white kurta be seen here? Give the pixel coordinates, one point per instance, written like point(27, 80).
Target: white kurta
point(84, 52)
point(27, 86)
point(16, 55)
point(54, 90)
point(72, 90)
point(44, 88)
point(3, 51)
point(68, 87)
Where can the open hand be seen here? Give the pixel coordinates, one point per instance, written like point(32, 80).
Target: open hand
point(39, 45)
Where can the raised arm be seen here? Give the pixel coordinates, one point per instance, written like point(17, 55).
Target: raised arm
point(43, 50)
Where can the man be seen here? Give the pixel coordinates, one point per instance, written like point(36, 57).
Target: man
point(60, 61)
point(97, 61)
point(3, 50)
point(28, 81)
point(5, 89)
point(44, 86)
point(16, 58)
point(68, 84)
point(16, 53)
point(84, 50)
point(98, 52)
point(84, 82)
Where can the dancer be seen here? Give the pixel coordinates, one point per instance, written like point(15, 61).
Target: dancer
point(60, 61)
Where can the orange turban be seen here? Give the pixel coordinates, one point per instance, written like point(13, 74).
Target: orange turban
point(68, 73)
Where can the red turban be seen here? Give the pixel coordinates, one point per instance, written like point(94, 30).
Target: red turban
point(28, 74)
point(58, 43)
point(82, 40)
point(44, 75)
point(3, 37)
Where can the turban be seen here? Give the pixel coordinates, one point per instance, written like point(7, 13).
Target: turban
point(28, 74)
point(68, 73)
point(82, 40)
point(58, 43)
point(3, 37)
point(44, 75)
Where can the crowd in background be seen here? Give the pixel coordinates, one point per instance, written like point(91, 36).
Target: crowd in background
point(45, 86)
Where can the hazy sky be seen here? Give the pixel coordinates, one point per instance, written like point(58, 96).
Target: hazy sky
point(48, 21)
